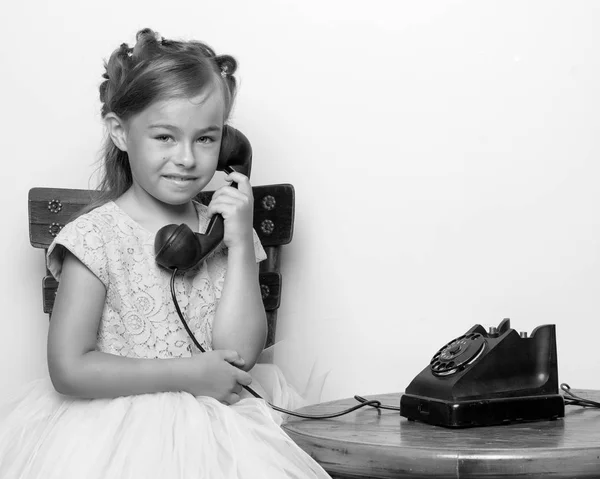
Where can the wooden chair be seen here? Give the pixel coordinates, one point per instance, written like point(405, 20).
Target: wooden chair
point(51, 208)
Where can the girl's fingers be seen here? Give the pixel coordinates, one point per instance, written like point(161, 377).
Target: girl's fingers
point(237, 177)
point(224, 208)
point(231, 356)
point(242, 181)
point(226, 199)
point(238, 362)
point(228, 191)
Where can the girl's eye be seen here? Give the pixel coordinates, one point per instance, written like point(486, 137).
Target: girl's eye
point(205, 139)
point(163, 138)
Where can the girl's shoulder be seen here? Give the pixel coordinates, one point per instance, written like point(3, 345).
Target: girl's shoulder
point(97, 222)
point(102, 213)
point(84, 237)
point(91, 237)
point(102, 219)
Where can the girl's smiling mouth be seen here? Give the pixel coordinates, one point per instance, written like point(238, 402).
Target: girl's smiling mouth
point(180, 179)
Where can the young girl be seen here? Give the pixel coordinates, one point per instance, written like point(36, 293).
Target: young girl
point(130, 396)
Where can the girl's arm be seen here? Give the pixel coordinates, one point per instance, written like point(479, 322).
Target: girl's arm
point(76, 369)
point(240, 321)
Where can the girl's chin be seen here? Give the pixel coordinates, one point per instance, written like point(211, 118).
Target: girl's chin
point(174, 199)
point(181, 201)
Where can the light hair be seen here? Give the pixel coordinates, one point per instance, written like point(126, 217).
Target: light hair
point(155, 69)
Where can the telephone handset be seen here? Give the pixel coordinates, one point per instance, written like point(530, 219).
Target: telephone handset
point(177, 246)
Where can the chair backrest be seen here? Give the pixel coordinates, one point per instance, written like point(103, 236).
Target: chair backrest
point(51, 208)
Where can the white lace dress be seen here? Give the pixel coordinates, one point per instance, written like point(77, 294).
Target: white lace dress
point(45, 435)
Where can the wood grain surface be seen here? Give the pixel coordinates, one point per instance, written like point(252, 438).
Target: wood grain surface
point(383, 444)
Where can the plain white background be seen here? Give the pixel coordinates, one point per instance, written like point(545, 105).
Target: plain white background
point(444, 155)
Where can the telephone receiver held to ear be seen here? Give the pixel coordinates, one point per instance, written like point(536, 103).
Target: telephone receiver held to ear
point(177, 246)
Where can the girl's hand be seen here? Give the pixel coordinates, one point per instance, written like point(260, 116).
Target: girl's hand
point(237, 206)
point(216, 374)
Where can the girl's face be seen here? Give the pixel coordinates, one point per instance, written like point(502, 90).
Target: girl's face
point(173, 146)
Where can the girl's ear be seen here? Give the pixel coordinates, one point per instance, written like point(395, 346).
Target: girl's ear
point(116, 130)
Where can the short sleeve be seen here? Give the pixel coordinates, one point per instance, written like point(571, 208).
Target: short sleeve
point(84, 239)
point(259, 251)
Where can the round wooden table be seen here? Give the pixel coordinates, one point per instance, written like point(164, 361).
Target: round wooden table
point(383, 444)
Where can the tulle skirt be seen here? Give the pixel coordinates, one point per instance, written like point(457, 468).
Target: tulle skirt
point(172, 435)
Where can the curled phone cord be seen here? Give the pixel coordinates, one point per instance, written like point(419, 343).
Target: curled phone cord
point(363, 402)
point(366, 402)
point(577, 400)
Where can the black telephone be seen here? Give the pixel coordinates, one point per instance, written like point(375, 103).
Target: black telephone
point(484, 378)
point(177, 246)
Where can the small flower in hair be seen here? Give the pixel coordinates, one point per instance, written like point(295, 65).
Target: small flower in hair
point(224, 71)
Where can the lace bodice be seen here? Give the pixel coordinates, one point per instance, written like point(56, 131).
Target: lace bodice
point(139, 319)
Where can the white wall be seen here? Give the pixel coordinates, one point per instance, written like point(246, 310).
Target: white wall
point(444, 155)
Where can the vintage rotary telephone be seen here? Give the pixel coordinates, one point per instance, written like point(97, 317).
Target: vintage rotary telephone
point(485, 378)
point(490, 378)
point(178, 248)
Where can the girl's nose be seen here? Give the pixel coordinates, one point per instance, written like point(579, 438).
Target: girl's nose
point(185, 158)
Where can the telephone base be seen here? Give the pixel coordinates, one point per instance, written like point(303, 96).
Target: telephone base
point(482, 412)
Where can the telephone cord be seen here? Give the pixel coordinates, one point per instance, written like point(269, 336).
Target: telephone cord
point(575, 400)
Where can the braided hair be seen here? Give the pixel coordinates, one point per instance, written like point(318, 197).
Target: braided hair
point(155, 69)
